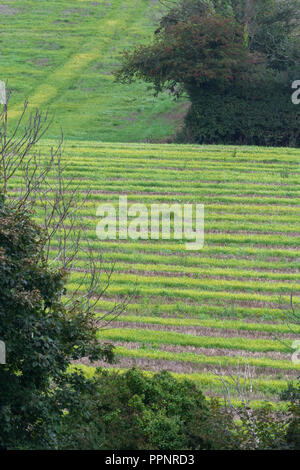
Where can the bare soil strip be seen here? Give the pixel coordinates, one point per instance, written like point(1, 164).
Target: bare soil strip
point(202, 331)
point(275, 355)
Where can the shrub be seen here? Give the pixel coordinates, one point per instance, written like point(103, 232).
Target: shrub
point(155, 412)
point(41, 336)
point(260, 113)
point(191, 53)
point(137, 411)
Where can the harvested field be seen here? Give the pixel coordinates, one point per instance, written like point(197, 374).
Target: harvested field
point(218, 308)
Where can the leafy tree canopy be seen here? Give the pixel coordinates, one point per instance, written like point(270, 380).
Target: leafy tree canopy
point(217, 41)
point(193, 52)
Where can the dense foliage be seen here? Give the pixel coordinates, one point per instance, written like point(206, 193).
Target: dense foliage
point(158, 412)
point(134, 411)
point(41, 336)
point(192, 53)
point(219, 52)
point(292, 395)
point(270, 26)
point(254, 113)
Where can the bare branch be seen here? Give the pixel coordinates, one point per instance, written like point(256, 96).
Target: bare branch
point(46, 187)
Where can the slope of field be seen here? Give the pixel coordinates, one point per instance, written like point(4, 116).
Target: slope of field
point(61, 55)
point(207, 311)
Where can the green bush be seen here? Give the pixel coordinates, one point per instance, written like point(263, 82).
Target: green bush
point(139, 412)
point(292, 395)
point(41, 335)
point(262, 114)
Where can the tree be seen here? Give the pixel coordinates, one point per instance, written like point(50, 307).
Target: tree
point(271, 27)
point(230, 58)
point(140, 412)
point(215, 42)
point(182, 10)
point(201, 50)
point(44, 329)
point(263, 428)
point(41, 336)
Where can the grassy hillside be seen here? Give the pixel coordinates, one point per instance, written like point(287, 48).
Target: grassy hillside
point(61, 55)
point(221, 307)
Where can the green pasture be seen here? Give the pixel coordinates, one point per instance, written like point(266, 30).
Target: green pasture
point(61, 55)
